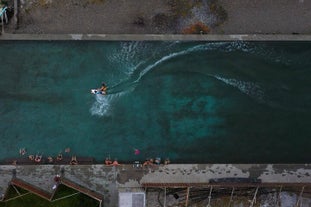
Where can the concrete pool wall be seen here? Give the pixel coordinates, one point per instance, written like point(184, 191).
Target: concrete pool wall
point(158, 37)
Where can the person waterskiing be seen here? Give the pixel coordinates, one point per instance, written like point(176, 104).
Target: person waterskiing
point(103, 89)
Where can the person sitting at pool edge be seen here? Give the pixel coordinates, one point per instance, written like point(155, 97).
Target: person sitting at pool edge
point(59, 157)
point(108, 161)
point(115, 163)
point(38, 158)
point(74, 160)
point(31, 157)
point(103, 88)
point(50, 159)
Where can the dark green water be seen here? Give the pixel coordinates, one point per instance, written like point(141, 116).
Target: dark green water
point(189, 101)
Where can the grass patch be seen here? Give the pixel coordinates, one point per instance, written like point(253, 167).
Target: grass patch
point(11, 192)
point(77, 200)
point(62, 191)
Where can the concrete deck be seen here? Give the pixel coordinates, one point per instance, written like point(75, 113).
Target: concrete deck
point(157, 37)
point(109, 180)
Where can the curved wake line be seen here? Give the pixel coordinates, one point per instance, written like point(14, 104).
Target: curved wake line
point(132, 81)
point(102, 105)
point(176, 54)
point(163, 59)
point(136, 77)
point(256, 92)
point(249, 88)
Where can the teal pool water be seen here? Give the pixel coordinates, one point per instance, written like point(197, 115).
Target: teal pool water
point(190, 101)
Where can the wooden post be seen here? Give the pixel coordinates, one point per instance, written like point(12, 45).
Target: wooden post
point(254, 198)
point(210, 197)
point(299, 198)
point(164, 203)
point(16, 190)
point(278, 197)
point(187, 196)
point(231, 197)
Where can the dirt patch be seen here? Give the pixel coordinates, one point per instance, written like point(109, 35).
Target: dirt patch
point(115, 16)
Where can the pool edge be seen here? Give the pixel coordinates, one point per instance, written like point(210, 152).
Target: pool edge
point(158, 37)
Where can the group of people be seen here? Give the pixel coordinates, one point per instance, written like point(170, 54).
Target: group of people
point(156, 161)
point(59, 158)
point(109, 162)
point(148, 162)
point(38, 157)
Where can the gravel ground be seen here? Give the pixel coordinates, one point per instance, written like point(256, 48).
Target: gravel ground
point(162, 16)
point(266, 17)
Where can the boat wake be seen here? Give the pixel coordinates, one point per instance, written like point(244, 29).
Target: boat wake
point(139, 58)
point(251, 89)
point(102, 104)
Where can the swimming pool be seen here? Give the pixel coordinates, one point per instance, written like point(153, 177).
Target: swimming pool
point(196, 102)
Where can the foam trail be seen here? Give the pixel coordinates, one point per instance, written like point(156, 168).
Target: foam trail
point(223, 46)
point(127, 58)
point(134, 69)
point(249, 88)
point(173, 55)
point(101, 106)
